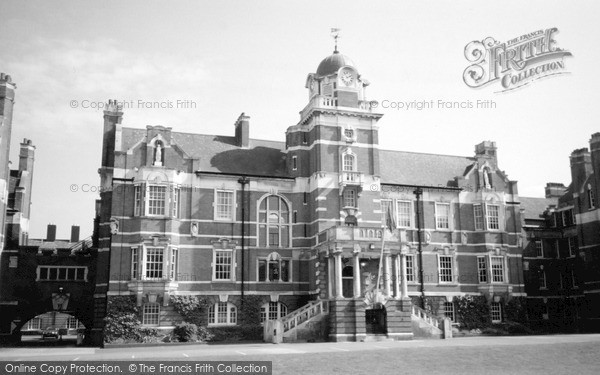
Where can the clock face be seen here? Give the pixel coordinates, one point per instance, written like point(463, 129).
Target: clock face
point(347, 77)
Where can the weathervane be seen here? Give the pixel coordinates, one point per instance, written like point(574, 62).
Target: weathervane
point(335, 34)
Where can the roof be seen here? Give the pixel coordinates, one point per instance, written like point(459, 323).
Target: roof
point(221, 154)
point(535, 207)
point(331, 64)
point(412, 168)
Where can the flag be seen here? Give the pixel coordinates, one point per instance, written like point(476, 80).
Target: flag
point(390, 223)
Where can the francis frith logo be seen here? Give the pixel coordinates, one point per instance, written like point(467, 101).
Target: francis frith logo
point(514, 63)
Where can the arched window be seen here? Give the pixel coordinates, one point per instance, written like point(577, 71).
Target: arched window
point(274, 222)
point(272, 311)
point(222, 313)
point(348, 282)
point(348, 163)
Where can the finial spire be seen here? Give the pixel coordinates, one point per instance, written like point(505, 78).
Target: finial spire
point(335, 34)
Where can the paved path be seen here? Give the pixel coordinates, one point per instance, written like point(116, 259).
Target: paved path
point(247, 351)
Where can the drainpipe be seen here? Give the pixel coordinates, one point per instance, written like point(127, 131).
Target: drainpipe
point(243, 181)
point(418, 192)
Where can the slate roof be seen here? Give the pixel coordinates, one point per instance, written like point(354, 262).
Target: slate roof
point(412, 168)
point(534, 207)
point(267, 158)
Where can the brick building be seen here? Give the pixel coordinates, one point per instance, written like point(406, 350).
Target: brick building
point(299, 223)
point(551, 265)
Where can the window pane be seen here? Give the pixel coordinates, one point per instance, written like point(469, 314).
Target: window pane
point(404, 213)
point(493, 221)
point(445, 269)
point(154, 263)
point(223, 263)
point(497, 269)
point(410, 268)
point(224, 209)
point(156, 200)
point(482, 269)
point(442, 215)
point(478, 213)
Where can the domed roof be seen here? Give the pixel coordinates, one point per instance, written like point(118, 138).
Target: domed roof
point(331, 64)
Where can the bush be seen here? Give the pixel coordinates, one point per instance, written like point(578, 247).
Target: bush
point(193, 309)
point(472, 312)
point(186, 332)
point(237, 333)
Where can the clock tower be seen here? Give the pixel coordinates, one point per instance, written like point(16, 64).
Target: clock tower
point(334, 146)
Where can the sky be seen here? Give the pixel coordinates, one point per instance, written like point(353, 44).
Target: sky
point(227, 57)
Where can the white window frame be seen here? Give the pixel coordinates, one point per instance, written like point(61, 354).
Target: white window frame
point(34, 323)
point(498, 274)
point(439, 217)
point(572, 241)
point(539, 250)
point(349, 195)
point(231, 265)
point(66, 270)
point(478, 217)
point(411, 276)
point(442, 276)
point(174, 264)
point(294, 163)
point(175, 202)
point(482, 270)
point(138, 199)
point(496, 312)
point(279, 260)
point(160, 210)
point(230, 216)
point(73, 323)
point(151, 314)
point(573, 280)
point(135, 263)
point(399, 220)
point(349, 167)
point(222, 314)
point(265, 226)
point(150, 258)
point(591, 198)
point(272, 311)
point(491, 220)
point(542, 279)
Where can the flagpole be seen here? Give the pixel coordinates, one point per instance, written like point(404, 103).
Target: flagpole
point(380, 262)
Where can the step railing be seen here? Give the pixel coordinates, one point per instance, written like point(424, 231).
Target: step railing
point(303, 314)
point(430, 319)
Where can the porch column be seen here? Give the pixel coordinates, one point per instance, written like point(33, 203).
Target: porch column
point(396, 263)
point(338, 272)
point(356, 278)
point(387, 285)
point(404, 291)
point(330, 278)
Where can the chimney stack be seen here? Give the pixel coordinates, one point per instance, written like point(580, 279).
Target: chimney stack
point(581, 167)
point(555, 190)
point(51, 233)
point(242, 131)
point(74, 233)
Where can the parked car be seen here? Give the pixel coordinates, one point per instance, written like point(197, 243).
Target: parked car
point(50, 332)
